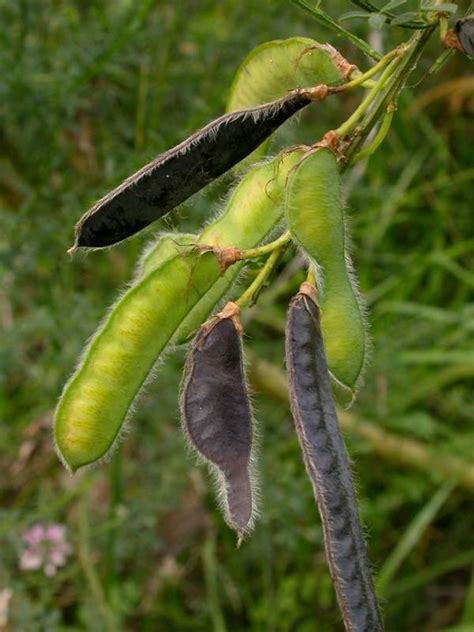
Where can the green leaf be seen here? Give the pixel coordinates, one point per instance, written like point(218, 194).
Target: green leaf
point(446, 7)
point(412, 536)
point(403, 18)
point(352, 15)
point(393, 4)
point(377, 20)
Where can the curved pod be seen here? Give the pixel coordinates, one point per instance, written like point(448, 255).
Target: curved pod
point(327, 464)
point(160, 186)
point(120, 356)
point(315, 216)
point(167, 304)
point(274, 68)
point(215, 411)
point(254, 209)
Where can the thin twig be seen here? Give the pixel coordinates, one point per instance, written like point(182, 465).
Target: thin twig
point(324, 19)
point(371, 8)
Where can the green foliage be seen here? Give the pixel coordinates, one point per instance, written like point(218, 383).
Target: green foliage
point(89, 92)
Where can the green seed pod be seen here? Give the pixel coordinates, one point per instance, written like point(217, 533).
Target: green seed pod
point(121, 355)
point(315, 216)
point(274, 68)
point(253, 211)
point(166, 246)
point(168, 303)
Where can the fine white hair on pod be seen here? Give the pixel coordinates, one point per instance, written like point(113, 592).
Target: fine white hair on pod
point(217, 418)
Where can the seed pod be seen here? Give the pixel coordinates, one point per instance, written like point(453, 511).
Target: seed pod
point(315, 216)
point(252, 212)
point(465, 33)
point(168, 302)
point(166, 246)
point(121, 355)
point(172, 177)
point(274, 68)
point(216, 414)
point(327, 464)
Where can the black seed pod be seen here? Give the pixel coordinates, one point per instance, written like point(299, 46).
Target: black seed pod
point(465, 33)
point(175, 175)
point(216, 414)
point(327, 464)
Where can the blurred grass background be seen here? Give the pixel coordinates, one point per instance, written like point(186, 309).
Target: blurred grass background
point(90, 91)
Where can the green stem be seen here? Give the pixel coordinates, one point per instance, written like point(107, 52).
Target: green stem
point(260, 251)
point(395, 75)
point(349, 125)
point(209, 561)
point(89, 569)
point(407, 65)
point(115, 482)
point(445, 566)
point(363, 77)
point(443, 27)
point(311, 276)
point(250, 295)
point(382, 132)
point(412, 536)
point(327, 21)
point(442, 59)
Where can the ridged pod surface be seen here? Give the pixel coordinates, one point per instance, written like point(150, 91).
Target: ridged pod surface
point(315, 216)
point(327, 464)
point(178, 173)
point(274, 68)
point(120, 356)
point(215, 411)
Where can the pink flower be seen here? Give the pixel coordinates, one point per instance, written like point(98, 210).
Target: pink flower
point(44, 546)
point(56, 532)
point(30, 560)
point(34, 536)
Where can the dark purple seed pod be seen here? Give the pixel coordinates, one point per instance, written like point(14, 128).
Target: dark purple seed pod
point(327, 464)
point(178, 173)
point(215, 411)
point(465, 33)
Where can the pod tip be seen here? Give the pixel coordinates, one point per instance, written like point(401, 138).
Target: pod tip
point(71, 469)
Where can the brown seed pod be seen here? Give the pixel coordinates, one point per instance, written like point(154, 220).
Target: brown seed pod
point(216, 415)
point(327, 464)
point(175, 175)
